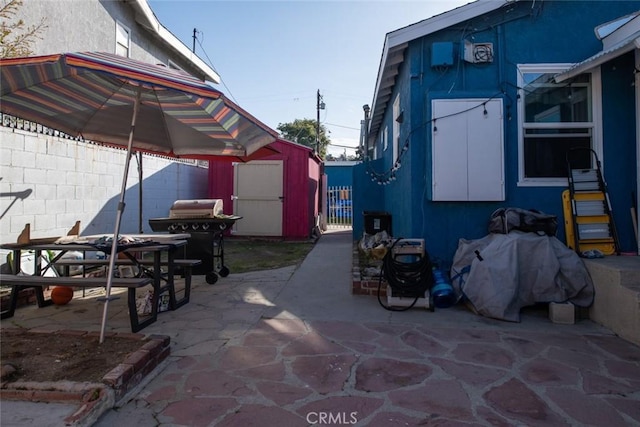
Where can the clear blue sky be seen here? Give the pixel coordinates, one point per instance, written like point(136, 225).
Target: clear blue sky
point(273, 56)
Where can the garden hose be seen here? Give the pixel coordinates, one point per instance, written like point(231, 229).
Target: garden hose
point(410, 280)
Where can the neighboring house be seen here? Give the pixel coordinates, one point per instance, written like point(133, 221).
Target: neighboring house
point(127, 28)
point(474, 109)
point(339, 173)
point(276, 196)
point(50, 182)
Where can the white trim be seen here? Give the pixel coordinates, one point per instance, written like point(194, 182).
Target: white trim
point(596, 112)
point(385, 138)
point(146, 18)
point(395, 137)
point(331, 163)
point(441, 21)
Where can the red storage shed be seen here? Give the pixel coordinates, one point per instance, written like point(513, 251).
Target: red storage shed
point(276, 196)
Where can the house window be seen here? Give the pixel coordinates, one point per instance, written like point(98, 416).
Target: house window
point(385, 138)
point(123, 40)
point(396, 127)
point(553, 118)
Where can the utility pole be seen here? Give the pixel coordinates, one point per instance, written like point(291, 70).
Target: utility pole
point(364, 133)
point(319, 106)
point(195, 31)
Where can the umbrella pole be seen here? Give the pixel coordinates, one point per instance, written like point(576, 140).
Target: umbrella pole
point(116, 232)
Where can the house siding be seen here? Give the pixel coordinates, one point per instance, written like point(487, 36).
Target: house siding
point(524, 32)
point(619, 159)
point(339, 174)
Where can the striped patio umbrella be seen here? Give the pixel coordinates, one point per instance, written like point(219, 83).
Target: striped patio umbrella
point(93, 95)
point(118, 101)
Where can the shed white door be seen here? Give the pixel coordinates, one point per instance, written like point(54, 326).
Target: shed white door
point(258, 197)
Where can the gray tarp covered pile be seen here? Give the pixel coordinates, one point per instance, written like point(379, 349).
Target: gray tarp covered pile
point(518, 270)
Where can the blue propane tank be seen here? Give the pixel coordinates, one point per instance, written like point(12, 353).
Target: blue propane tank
point(442, 291)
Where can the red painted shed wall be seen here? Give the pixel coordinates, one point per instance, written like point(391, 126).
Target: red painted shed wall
point(301, 193)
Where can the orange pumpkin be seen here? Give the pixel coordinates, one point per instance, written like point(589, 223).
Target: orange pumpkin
point(60, 295)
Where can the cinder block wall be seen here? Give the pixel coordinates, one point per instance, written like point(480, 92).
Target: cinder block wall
point(51, 182)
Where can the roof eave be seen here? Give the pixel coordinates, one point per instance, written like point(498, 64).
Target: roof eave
point(597, 60)
point(146, 18)
point(619, 42)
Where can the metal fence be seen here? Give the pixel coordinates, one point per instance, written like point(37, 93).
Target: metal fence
point(340, 211)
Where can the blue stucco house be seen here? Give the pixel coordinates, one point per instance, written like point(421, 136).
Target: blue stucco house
point(475, 109)
point(339, 173)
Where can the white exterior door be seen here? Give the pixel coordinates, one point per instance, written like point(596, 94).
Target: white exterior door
point(258, 197)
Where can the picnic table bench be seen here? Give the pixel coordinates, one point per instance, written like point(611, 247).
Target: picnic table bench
point(182, 266)
point(158, 272)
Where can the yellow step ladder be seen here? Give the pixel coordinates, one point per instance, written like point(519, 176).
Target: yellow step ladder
point(587, 210)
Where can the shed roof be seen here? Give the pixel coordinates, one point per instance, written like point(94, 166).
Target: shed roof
point(397, 41)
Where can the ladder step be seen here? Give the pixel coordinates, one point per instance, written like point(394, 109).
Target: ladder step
point(590, 208)
point(586, 186)
point(581, 175)
point(594, 241)
point(593, 219)
point(594, 231)
point(585, 180)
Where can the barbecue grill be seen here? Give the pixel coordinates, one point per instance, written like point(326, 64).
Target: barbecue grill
point(204, 221)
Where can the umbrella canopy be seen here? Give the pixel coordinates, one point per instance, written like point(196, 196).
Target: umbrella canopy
point(119, 101)
point(92, 95)
point(260, 153)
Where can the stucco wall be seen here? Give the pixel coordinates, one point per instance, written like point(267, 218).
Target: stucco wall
point(51, 183)
point(90, 25)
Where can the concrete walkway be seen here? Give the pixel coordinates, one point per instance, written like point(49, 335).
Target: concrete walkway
point(293, 347)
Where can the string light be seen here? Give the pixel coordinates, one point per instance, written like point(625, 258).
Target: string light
point(389, 176)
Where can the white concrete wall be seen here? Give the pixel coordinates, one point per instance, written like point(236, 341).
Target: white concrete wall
point(51, 183)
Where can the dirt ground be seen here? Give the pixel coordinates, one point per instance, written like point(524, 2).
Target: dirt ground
point(52, 357)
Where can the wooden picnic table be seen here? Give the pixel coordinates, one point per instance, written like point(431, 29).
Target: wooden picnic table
point(158, 272)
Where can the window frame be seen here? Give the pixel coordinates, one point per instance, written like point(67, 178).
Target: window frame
point(395, 138)
point(385, 138)
point(595, 125)
point(120, 25)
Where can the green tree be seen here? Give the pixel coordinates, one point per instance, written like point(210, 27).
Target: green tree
point(16, 38)
point(303, 132)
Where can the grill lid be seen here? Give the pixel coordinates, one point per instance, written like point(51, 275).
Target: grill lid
point(197, 208)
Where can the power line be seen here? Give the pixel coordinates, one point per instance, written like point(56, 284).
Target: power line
point(214, 68)
point(343, 146)
point(342, 126)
